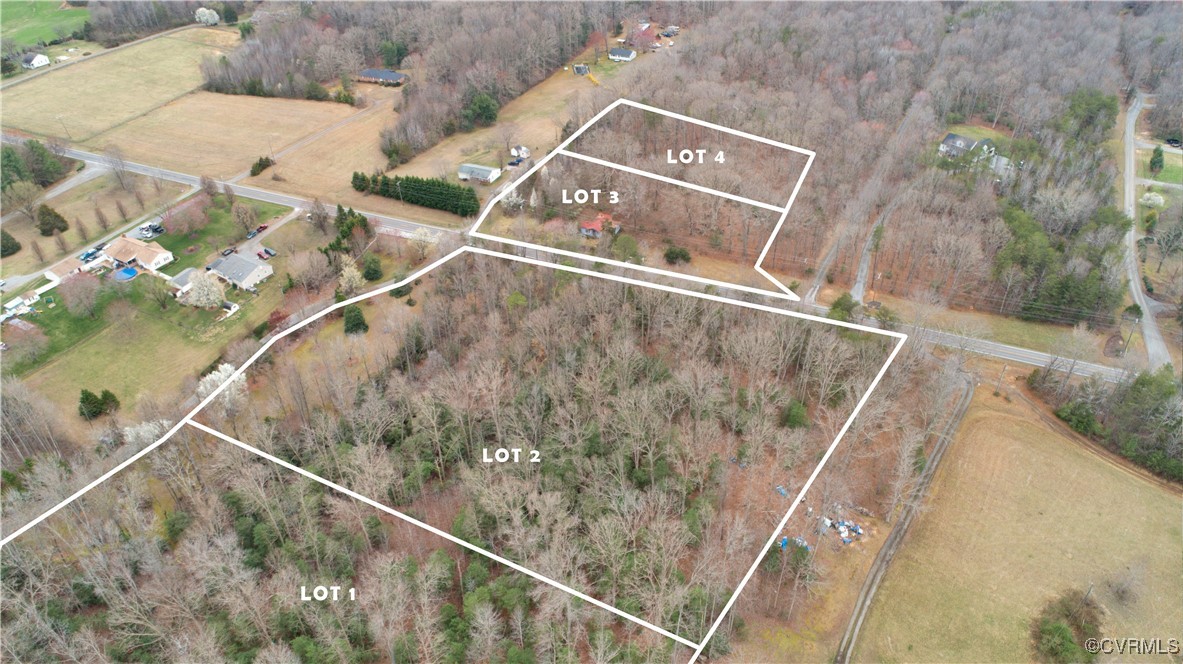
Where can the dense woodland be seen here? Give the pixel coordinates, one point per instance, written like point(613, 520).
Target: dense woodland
point(874, 110)
point(634, 398)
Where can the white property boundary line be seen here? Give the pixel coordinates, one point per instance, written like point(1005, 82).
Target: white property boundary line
point(188, 420)
point(788, 294)
point(448, 536)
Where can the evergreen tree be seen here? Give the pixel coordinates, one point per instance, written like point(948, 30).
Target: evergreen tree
point(48, 221)
point(109, 401)
point(90, 405)
point(43, 164)
point(372, 268)
point(12, 167)
point(1156, 160)
point(355, 320)
point(8, 244)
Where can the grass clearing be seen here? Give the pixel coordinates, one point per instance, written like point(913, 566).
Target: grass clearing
point(1018, 513)
point(79, 102)
point(220, 135)
point(27, 22)
point(980, 132)
point(1172, 167)
point(78, 204)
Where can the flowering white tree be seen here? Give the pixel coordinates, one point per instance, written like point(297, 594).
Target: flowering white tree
point(351, 279)
point(1152, 200)
point(206, 16)
point(231, 400)
point(205, 290)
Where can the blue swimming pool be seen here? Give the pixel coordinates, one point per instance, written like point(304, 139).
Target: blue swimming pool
point(126, 274)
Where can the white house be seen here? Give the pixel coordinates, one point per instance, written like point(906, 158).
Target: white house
point(125, 250)
point(34, 60)
point(521, 150)
point(622, 55)
point(484, 174)
point(241, 271)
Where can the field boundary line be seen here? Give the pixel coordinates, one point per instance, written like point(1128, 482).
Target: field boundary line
point(782, 291)
point(189, 420)
point(902, 525)
point(668, 180)
point(218, 391)
point(799, 499)
point(436, 531)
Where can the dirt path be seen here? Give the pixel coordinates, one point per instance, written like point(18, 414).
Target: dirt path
point(892, 544)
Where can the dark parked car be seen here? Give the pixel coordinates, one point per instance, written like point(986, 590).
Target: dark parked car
point(1174, 142)
point(269, 251)
point(515, 162)
point(251, 234)
point(157, 228)
point(89, 256)
point(261, 228)
point(229, 250)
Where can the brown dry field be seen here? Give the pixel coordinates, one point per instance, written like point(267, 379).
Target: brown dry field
point(78, 204)
point(220, 135)
point(321, 164)
point(79, 102)
point(322, 168)
point(1021, 510)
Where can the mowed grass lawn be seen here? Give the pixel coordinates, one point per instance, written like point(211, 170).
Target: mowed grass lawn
point(1172, 167)
point(27, 22)
point(135, 349)
point(85, 99)
point(1018, 513)
point(198, 248)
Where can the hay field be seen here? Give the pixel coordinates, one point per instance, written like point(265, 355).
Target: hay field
point(83, 100)
point(1020, 512)
point(219, 135)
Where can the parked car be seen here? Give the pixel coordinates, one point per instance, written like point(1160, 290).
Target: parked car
point(251, 234)
point(262, 255)
point(100, 246)
point(229, 250)
point(515, 162)
point(270, 252)
point(89, 256)
point(157, 228)
point(261, 228)
point(1174, 142)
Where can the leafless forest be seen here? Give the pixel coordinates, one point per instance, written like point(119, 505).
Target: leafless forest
point(662, 422)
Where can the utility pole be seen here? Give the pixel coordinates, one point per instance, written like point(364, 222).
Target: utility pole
point(65, 128)
point(998, 387)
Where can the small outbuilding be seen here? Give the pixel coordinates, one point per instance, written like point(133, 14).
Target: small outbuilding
point(486, 174)
point(622, 55)
point(520, 151)
point(35, 60)
point(183, 281)
point(65, 268)
point(387, 77)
